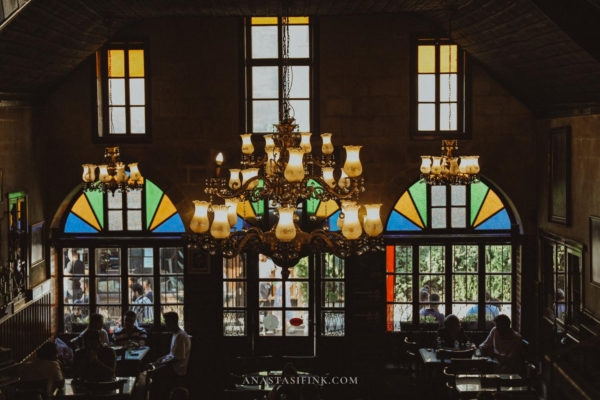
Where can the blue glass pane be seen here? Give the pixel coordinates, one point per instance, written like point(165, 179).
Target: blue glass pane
point(77, 225)
point(498, 221)
point(397, 222)
point(333, 222)
point(239, 224)
point(172, 225)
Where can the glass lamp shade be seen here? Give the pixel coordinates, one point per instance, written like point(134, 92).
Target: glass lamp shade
point(134, 172)
point(425, 164)
point(328, 176)
point(286, 230)
point(234, 180)
point(89, 173)
point(327, 147)
point(269, 141)
point(351, 229)
point(305, 142)
point(247, 146)
point(248, 174)
point(272, 156)
point(220, 225)
point(373, 225)
point(340, 221)
point(352, 166)
point(454, 166)
point(121, 176)
point(103, 173)
point(436, 167)
point(475, 165)
point(343, 182)
point(294, 171)
point(464, 162)
point(199, 222)
point(232, 210)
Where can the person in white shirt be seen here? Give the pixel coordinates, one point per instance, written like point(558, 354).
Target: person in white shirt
point(503, 344)
point(175, 363)
point(45, 366)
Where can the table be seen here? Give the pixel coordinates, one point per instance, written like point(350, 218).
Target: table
point(136, 354)
point(70, 391)
point(473, 384)
point(430, 358)
point(130, 362)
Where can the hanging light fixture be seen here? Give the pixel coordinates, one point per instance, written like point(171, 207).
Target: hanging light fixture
point(285, 170)
point(112, 176)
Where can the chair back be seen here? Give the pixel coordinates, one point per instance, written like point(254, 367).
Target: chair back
point(411, 347)
point(469, 366)
point(148, 381)
point(32, 389)
point(444, 354)
point(301, 363)
point(104, 389)
point(524, 351)
point(77, 343)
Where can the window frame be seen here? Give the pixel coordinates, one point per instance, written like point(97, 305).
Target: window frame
point(99, 93)
point(464, 95)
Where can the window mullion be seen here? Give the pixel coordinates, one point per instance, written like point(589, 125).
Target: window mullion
point(438, 122)
point(127, 94)
point(481, 271)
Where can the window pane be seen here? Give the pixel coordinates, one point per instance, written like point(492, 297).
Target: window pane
point(108, 261)
point(333, 294)
point(234, 294)
point(76, 290)
point(438, 218)
point(108, 290)
point(432, 314)
point(134, 220)
point(300, 270)
point(396, 314)
point(136, 63)
point(468, 321)
point(466, 258)
point(299, 42)
point(116, 63)
point(172, 308)
point(134, 199)
point(112, 317)
point(333, 323)
point(141, 286)
point(115, 220)
point(116, 92)
point(74, 318)
point(171, 260)
point(426, 117)
point(265, 83)
point(171, 289)
point(300, 82)
point(432, 259)
point(270, 324)
point(296, 294)
point(138, 119)
point(76, 261)
point(141, 261)
point(117, 120)
point(426, 87)
point(426, 59)
point(115, 201)
point(459, 217)
point(302, 114)
point(560, 259)
point(136, 92)
point(333, 267)
point(499, 287)
point(447, 120)
point(296, 323)
point(264, 115)
point(266, 294)
point(464, 288)
point(431, 284)
point(448, 56)
point(403, 259)
point(497, 258)
point(438, 196)
point(459, 195)
point(234, 268)
point(444, 94)
point(402, 287)
point(264, 42)
point(234, 323)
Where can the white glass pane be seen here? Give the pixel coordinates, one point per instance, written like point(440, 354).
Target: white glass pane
point(264, 42)
point(446, 118)
point(459, 217)
point(459, 195)
point(444, 88)
point(265, 83)
point(134, 220)
point(138, 119)
point(296, 323)
point(116, 92)
point(302, 114)
point(299, 42)
point(115, 201)
point(426, 87)
point(136, 92)
point(134, 199)
point(108, 261)
point(115, 220)
point(117, 120)
point(270, 323)
point(300, 78)
point(426, 117)
point(438, 218)
point(438, 196)
point(264, 115)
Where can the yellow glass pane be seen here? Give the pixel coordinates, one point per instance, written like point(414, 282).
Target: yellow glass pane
point(444, 58)
point(245, 209)
point(491, 205)
point(136, 63)
point(406, 207)
point(83, 210)
point(264, 20)
point(426, 59)
point(165, 210)
point(116, 63)
point(331, 207)
point(298, 20)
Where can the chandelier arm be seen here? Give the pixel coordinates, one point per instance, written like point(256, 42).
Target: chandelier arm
point(322, 239)
point(331, 191)
point(259, 162)
point(230, 193)
point(327, 159)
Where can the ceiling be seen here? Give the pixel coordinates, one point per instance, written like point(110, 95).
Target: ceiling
point(546, 54)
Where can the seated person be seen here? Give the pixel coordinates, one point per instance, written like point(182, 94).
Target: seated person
point(451, 332)
point(130, 332)
point(74, 317)
point(491, 310)
point(503, 345)
point(559, 307)
point(287, 386)
point(95, 362)
point(432, 310)
point(175, 363)
point(97, 323)
point(45, 366)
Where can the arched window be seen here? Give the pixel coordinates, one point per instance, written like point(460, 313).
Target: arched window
point(119, 252)
point(452, 250)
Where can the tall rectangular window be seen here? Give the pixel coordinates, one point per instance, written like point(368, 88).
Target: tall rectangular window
point(264, 69)
point(234, 296)
point(122, 92)
point(171, 281)
point(333, 296)
point(440, 90)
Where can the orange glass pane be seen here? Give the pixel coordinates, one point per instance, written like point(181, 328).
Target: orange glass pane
point(136, 63)
point(245, 209)
point(426, 59)
point(327, 208)
point(83, 210)
point(116, 63)
point(444, 61)
point(165, 210)
point(264, 20)
point(406, 207)
point(491, 205)
point(298, 20)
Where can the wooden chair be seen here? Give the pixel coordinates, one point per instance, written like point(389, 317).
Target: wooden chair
point(148, 382)
point(27, 390)
point(104, 389)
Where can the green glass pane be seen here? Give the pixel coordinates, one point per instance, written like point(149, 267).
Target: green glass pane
point(312, 204)
point(478, 192)
point(96, 200)
point(418, 192)
point(153, 196)
point(259, 207)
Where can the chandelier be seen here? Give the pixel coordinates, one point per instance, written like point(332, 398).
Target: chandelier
point(112, 176)
point(449, 170)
